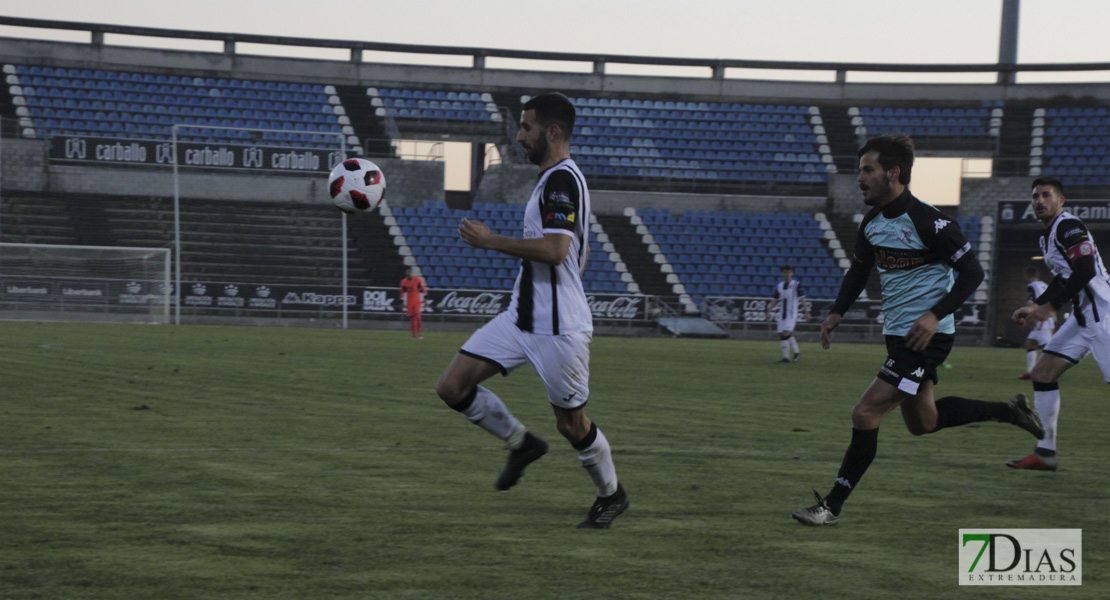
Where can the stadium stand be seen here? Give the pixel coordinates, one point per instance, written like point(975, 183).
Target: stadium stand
point(436, 105)
point(624, 141)
point(431, 233)
point(731, 142)
point(1072, 143)
point(229, 241)
point(110, 103)
point(728, 253)
point(983, 122)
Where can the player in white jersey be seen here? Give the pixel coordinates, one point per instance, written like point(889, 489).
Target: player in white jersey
point(788, 295)
point(1039, 332)
point(1080, 277)
point(548, 324)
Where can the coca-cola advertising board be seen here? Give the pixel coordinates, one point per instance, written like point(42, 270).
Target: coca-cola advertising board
point(277, 297)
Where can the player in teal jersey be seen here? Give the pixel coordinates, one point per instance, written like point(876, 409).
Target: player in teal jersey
point(917, 249)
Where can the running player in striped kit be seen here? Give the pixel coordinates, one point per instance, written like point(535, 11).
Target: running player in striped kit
point(548, 324)
point(1039, 332)
point(1080, 277)
point(785, 305)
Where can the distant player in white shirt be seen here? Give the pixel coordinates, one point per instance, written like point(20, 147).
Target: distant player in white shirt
point(1080, 277)
point(1039, 332)
point(785, 305)
point(548, 324)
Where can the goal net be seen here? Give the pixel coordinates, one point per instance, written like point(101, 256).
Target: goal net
point(84, 283)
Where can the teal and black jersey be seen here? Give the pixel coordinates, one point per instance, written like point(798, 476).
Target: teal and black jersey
point(915, 247)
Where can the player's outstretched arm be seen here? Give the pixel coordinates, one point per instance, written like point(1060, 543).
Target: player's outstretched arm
point(550, 249)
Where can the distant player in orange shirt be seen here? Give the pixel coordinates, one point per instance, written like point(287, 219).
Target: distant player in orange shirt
point(413, 292)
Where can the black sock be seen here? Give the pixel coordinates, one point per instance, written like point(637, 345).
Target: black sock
point(861, 451)
point(953, 411)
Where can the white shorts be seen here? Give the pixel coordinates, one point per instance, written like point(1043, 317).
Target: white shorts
point(787, 324)
point(1041, 333)
point(1073, 342)
point(561, 361)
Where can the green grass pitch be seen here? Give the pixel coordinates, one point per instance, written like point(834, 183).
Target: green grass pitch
point(234, 462)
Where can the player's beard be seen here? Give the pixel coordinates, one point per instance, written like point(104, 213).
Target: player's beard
point(1045, 213)
point(875, 194)
point(538, 153)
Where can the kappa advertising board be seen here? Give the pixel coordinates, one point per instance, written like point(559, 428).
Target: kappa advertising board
point(214, 155)
point(247, 296)
point(863, 312)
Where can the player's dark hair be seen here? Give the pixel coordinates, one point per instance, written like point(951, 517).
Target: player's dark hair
point(1056, 183)
point(894, 151)
point(787, 268)
point(553, 108)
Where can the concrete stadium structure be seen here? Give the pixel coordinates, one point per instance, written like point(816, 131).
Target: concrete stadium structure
point(1016, 112)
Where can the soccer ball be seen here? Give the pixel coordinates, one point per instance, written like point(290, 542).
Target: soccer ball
point(356, 185)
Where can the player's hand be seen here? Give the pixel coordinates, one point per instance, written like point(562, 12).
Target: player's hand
point(1021, 315)
point(474, 233)
point(1034, 313)
point(827, 327)
point(922, 332)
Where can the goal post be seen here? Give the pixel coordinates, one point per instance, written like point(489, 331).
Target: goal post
point(84, 283)
point(311, 150)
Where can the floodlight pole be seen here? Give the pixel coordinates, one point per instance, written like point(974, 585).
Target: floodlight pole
point(1, 183)
point(343, 224)
point(176, 232)
point(1008, 39)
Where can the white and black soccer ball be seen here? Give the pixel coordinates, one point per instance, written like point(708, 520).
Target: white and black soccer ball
point(356, 185)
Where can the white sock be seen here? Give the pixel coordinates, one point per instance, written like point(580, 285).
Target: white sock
point(1048, 408)
point(1030, 360)
point(489, 412)
point(794, 344)
point(785, 345)
point(598, 461)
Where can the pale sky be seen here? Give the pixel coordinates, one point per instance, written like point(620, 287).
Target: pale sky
point(891, 31)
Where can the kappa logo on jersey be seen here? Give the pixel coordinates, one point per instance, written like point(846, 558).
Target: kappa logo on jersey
point(890, 362)
point(940, 224)
point(918, 372)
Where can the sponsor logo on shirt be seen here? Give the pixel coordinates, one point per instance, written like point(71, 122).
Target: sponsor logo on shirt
point(892, 258)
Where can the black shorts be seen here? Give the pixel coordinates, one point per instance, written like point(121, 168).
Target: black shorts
point(907, 369)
